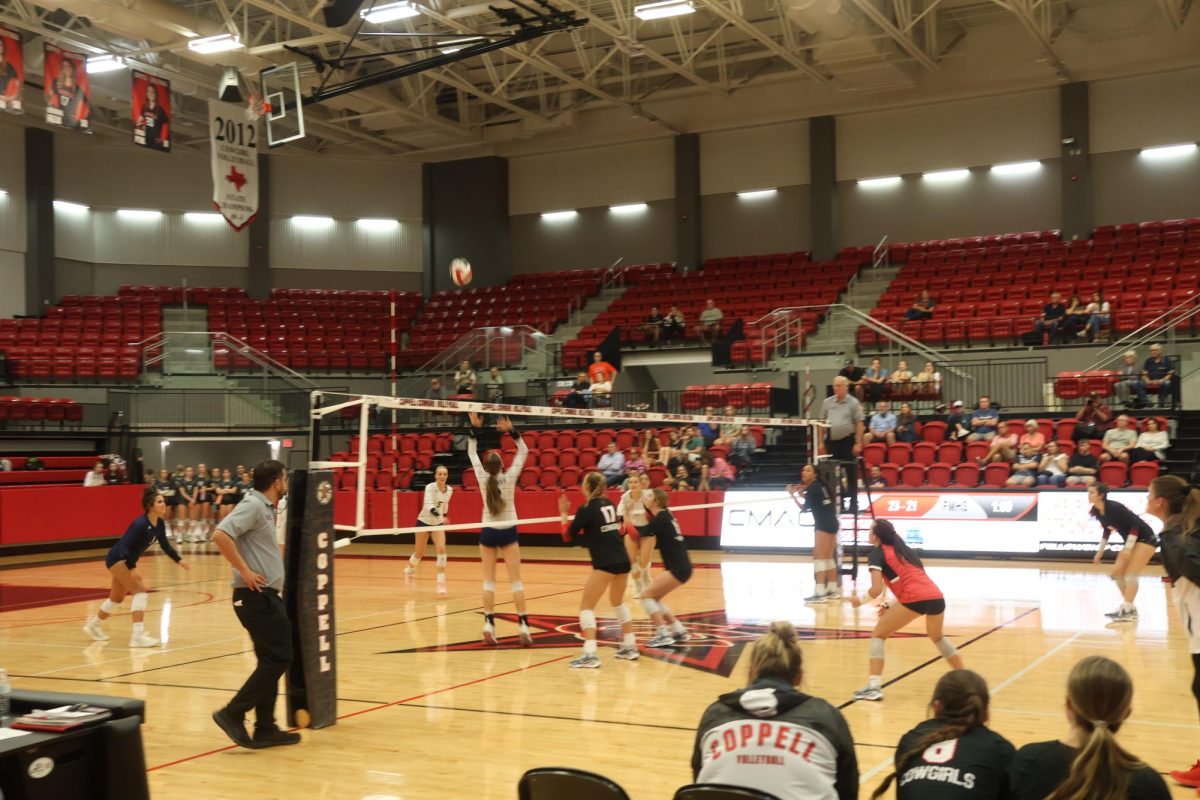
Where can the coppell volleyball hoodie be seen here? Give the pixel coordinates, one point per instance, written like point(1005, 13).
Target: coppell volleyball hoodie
point(776, 739)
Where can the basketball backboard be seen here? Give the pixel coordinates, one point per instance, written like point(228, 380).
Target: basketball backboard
point(283, 110)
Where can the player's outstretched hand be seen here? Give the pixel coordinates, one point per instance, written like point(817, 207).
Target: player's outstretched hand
point(1098, 557)
point(184, 564)
point(504, 425)
point(475, 419)
point(791, 488)
point(564, 505)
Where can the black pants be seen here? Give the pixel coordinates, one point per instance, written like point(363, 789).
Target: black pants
point(263, 616)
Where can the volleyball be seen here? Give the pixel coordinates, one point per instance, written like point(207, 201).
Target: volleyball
point(460, 271)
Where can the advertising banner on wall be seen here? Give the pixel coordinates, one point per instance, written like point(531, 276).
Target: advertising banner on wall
point(66, 88)
point(948, 522)
point(151, 103)
point(12, 71)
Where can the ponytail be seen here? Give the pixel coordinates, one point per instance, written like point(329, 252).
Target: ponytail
point(491, 490)
point(962, 706)
point(1183, 501)
point(1099, 694)
point(885, 532)
point(777, 655)
point(594, 484)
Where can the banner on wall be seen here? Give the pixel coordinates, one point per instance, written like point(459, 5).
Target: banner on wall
point(151, 102)
point(1018, 523)
point(12, 71)
point(66, 88)
point(234, 142)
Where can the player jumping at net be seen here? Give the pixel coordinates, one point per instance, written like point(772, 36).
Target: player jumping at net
point(819, 501)
point(434, 510)
point(663, 530)
point(1140, 544)
point(122, 561)
point(631, 513)
point(498, 536)
point(596, 523)
point(894, 564)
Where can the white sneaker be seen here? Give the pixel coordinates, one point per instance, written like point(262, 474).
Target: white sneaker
point(814, 599)
point(1114, 614)
point(836, 594)
point(525, 637)
point(489, 634)
point(661, 640)
point(586, 661)
point(629, 653)
point(441, 587)
point(680, 636)
point(93, 629)
point(869, 693)
point(409, 571)
point(142, 640)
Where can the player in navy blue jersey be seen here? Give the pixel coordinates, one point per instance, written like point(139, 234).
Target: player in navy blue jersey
point(1140, 544)
point(663, 530)
point(122, 561)
point(821, 502)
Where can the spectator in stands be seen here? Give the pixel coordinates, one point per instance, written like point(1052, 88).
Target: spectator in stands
point(612, 465)
point(1049, 324)
point(1158, 373)
point(716, 474)
point(707, 430)
point(114, 475)
point(1117, 441)
point(653, 326)
point(601, 390)
point(741, 452)
point(435, 390)
point(580, 395)
point(902, 375)
point(1091, 419)
point(635, 464)
point(674, 325)
point(824, 764)
point(464, 379)
point(1082, 466)
point(984, 420)
point(1152, 443)
point(599, 365)
point(855, 375)
point(1129, 381)
point(672, 451)
point(97, 477)
point(876, 479)
point(681, 481)
point(1099, 312)
point(922, 307)
point(882, 426)
point(5, 465)
point(729, 430)
point(874, 381)
point(494, 385)
point(1076, 319)
point(693, 445)
point(710, 321)
point(1004, 445)
point(1052, 471)
point(929, 378)
point(958, 423)
point(906, 424)
point(1032, 436)
point(1088, 762)
point(652, 451)
point(1025, 467)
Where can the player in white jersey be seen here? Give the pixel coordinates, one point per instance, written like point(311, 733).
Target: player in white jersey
point(631, 510)
point(434, 510)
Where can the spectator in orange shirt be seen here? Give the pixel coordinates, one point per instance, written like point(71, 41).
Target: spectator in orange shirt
point(600, 366)
point(1032, 436)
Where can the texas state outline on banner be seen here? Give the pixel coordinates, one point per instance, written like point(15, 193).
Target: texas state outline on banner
point(234, 142)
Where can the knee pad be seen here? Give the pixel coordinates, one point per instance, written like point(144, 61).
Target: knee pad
point(652, 607)
point(946, 647)
point(517, 586)
point(441, 561)
point(875, 648)
point(489, 586)
point(587, 620)
point(1131, 580)
point(139, 601)
point(109, 607)
point(623, 614)
point(826, 565)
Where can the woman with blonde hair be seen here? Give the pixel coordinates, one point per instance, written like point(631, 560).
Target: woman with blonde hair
point(800, 748)
point(631, 513)
point(1088, 763)
point(1177, 504)
point(498, 535)
point(596, 524)
point(663, 530)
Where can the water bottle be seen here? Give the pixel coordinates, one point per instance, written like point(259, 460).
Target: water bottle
point(5, 697)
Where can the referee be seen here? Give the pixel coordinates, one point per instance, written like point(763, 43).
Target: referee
point(843, 439)
point(247, 540)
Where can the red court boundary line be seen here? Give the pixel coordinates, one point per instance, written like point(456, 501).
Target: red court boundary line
point(379, 707)
point(209, 598)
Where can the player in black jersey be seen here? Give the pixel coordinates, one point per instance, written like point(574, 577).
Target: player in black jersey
point(1140, 544)
point(596, 523)
point(820, 501)
point(122, 561)
point(663, 529)
point(953, 755)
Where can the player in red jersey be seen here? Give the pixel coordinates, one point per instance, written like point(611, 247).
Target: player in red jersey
point(894, 564)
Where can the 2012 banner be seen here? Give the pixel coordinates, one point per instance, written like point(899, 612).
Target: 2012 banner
point(151, 102)
point(66, 88)
point(234, 140)
point(12, 71)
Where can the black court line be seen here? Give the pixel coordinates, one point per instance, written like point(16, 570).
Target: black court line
point(179, 686)
point(553, 562)
point(920, 667)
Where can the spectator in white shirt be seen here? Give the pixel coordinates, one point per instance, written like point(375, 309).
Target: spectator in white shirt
point(96, 477)
point(1117, 440)
point(601, 389)
point(1152, 443)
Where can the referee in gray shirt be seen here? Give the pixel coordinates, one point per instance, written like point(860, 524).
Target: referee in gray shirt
point(843, 439)
point(247, 540)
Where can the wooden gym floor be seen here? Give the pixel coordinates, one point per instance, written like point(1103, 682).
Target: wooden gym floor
point(426, 713)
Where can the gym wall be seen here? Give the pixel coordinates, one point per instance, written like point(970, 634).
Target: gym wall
point(12, 220)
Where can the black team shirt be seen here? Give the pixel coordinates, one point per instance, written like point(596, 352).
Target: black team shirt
point(974, 766)
point(597, 523)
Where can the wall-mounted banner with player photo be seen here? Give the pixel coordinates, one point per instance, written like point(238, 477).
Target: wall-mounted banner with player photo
point(234, 162)
point(65, 82)
point(12, 71)
point(151, 102)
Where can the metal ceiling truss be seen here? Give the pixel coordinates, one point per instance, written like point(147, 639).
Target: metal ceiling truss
point(1037, 18)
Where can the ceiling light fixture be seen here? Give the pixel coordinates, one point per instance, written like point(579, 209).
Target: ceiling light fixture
point(946, 175)
point(138, 213)
point(667, 8)
point(104, 63)
point(879, 183)
point(757, 194)
point(306, 221)
point(389, 12)
point(628, 208)
point(455, 45)
point(377, 224)
point(1017, 168)
point(216, 44)
point(67, 205)
point(202, 216)
point(1168, 151)
point(559, 216)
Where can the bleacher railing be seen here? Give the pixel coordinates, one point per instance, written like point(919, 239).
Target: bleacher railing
point(158, 350)
point(1160, 329)
point(500, 346)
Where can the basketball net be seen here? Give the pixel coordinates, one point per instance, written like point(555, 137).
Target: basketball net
point(256, 107)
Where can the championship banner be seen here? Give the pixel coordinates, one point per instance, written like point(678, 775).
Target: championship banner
point(308, 595)
point(66, 88)
point(151, 102)
point(12, 71)
point(234, 162)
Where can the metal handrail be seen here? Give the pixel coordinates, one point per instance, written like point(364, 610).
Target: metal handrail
point(613, 275)
point(163, 338)
point(471, 342)
point(1151, 330)
point(880, 254)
